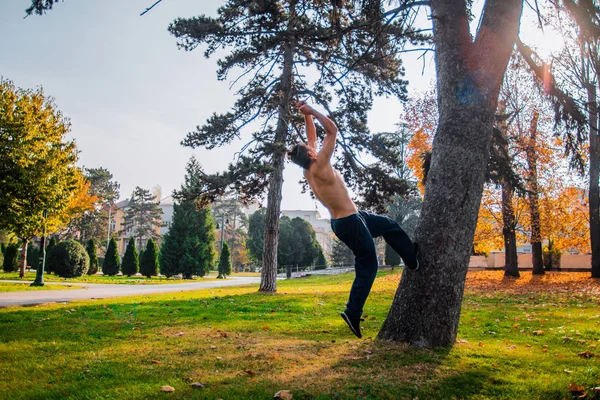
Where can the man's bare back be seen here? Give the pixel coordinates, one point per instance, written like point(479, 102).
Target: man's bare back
point(326, 183)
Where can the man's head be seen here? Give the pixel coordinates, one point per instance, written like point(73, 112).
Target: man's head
point(302, 155)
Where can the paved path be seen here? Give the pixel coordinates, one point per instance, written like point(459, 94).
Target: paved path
point(101, 291)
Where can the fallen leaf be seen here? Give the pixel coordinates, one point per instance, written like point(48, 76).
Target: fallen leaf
point(511, 347)
point(250, 372)
point(266, 328)
point(567, 371)
point(545, 349)
point(284, 395)
point(527, 345)
point(462, 341)
point(575, 388)
point(213, 347)
point(275, 355)
point(180, 334)
point(156, 362)
point(515, 325)
point(586, 354)
point(168, 389)
point(197, 385)
point(219, 358)
point(538, 333)
point(481, 344)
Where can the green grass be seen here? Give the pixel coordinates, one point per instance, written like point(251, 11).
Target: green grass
point(246, 345)
point(22, 287)
point(124, 280)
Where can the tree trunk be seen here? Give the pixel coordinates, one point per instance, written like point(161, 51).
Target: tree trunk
point(268, 281)
point(511, 260)
point(534, 199)
point(426, 308)
point(594, 191)
point(23, 258)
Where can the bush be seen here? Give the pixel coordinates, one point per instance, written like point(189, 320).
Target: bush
point(11, 256)
point(224, 262)
point(68, 259)
point(149, 264)
point(33, 256)
point(91, 250)
point(131, 262)
point(49, 246)
point(112, 262)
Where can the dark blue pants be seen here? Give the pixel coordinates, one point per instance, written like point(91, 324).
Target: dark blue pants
point(357, 232)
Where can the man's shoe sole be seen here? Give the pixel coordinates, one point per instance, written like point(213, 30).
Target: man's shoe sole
point(347, 319)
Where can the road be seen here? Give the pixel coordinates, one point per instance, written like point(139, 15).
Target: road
point(102, 291)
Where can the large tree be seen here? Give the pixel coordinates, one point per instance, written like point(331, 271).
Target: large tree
point(38, 174)
point(426, 308)
point(143, 216)
point(188, 246)
point(277, 45)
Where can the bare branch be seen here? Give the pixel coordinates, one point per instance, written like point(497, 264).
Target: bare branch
point(150, 8)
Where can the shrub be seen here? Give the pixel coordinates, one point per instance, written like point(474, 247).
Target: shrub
point(33, 256)
point(224, 262)
point(68, 259)
point(149, 263)
point(11, 256)
point(49, 246)
point(112, 262)
point(91, 250)
point(131, 263)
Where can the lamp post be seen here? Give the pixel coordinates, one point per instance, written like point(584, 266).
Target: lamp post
point(39, 276)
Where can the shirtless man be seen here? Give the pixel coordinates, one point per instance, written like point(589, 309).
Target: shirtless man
point(353, 227)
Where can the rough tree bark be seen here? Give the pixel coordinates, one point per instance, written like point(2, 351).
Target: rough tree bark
point(511, 260)
point(268, 281)
point(594, 195)
point(534, 198)
point(426, 308)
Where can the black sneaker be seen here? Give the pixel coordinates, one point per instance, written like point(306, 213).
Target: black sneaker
point(353, 324)
point(417, 254)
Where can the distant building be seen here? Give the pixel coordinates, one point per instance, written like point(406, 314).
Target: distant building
point(166, 205)
point(117, 226)
point(322, 227)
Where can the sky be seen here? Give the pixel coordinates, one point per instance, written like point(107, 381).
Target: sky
point(132, 95)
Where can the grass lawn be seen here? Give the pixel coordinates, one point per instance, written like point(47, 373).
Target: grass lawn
point(525, 339)
point(22, 287)
point(125, 280)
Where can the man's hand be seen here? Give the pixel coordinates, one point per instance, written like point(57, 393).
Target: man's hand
point(305, 108)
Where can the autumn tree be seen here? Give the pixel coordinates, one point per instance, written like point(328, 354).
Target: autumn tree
point(277, 45)
point(143, 216)
point(37, 168)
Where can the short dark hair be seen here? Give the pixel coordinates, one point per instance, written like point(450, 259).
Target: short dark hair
point(299, 154)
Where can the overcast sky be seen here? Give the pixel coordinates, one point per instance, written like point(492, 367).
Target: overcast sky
point(131, 94)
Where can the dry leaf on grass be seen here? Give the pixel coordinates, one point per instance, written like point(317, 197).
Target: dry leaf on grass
point(197, 385)
point(575, 389)
point(586, 354)
point(250, 372)
point(284, 395)
point(168, 389)
point(156, 362)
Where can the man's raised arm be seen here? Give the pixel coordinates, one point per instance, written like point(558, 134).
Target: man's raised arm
point(330, 129)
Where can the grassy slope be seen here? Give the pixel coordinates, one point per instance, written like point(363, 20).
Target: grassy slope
point(246, 345)
point(23, 287)
point(125, 280)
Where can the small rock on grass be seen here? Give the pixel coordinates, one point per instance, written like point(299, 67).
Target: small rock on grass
point(284, 395)
point(168, 389)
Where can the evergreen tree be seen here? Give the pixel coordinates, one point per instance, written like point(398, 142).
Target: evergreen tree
point(341, 254)
point(33, 256)
point(256, 235)
point(187, 247)
point(51, 244)
point(11, 255)
point(224, 262)
point(143, 215)
point(112, 261)
point(131, 263)
point(391, 257)
point(321, 262)
point(299, 38)
point(91, 250)
point(149, 264)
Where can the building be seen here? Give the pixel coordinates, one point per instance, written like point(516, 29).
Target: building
point(117, 225)
point(322, 227)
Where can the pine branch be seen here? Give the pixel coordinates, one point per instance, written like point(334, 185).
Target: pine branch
point(150, 8)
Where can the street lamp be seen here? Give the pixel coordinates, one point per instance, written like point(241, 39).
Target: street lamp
point(39, 276)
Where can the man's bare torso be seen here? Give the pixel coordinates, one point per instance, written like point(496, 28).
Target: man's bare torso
point(329, 188)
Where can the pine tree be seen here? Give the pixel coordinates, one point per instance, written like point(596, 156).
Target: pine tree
point(224, 262)
point(91, 250)
point(143, 215)
point(149, 257)
point(131, 263)
point(321, 262)
point(11, 255)
point(187, 247)
point(112, 261)
point(298, 38)
point(33, 256)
